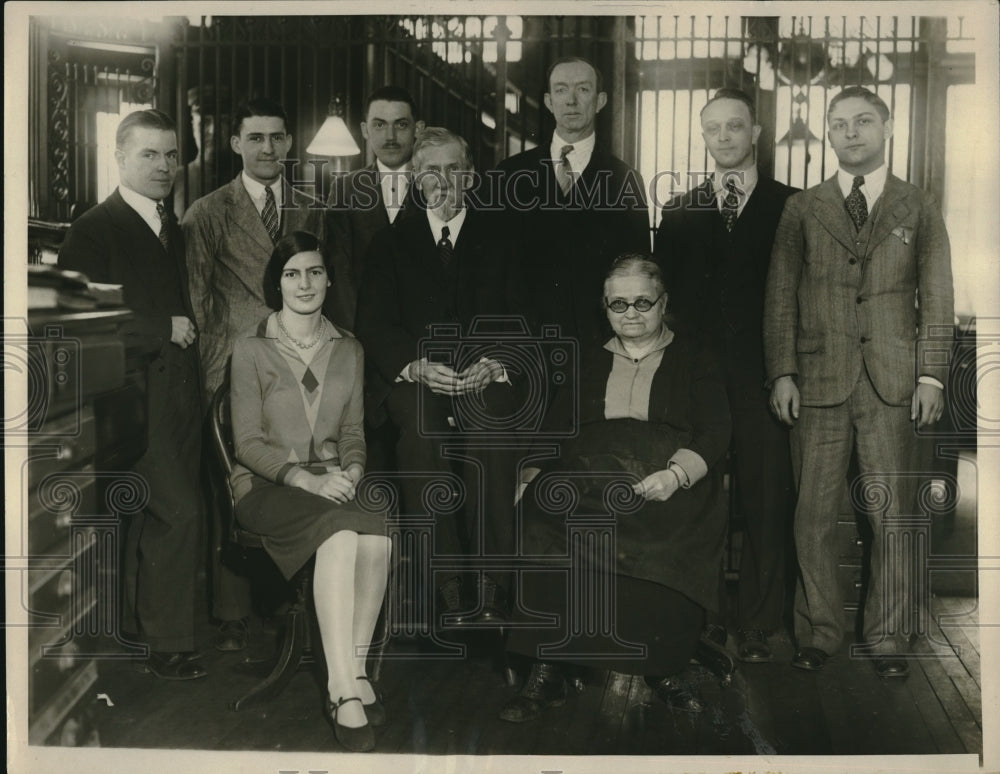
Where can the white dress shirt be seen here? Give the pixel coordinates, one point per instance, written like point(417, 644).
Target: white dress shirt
point(395, 183)
point(145, 206)
point(872, 189)
point(579, 157)
point(745, 180)
point(256, 191)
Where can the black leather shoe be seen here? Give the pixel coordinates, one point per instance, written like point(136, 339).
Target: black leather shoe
point(544, 688)
point(174, 666)
point(715, 633)
point(494, 603)
point(754, 648)
point(715, 658)
point(892, 667)
point(233, 635)
point(810, 659)
point(449, 602)
point(674, 693)
point(375, 712)
point(361, 739)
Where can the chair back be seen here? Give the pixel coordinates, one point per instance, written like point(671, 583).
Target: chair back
point(221, 423)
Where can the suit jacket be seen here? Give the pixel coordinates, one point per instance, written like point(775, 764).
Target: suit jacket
point(566, 244)
point(715, 279)
point(838, 300)
point(112, 243)
point(407, 290)
point(228, 248)
point(357, 213)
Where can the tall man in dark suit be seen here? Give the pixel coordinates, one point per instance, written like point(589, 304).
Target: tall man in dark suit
point(369, 199)
point(230, 234)
point(861, 271)
point(714, 246)
point(438, 264)
point(131, 239)
point(571, 208)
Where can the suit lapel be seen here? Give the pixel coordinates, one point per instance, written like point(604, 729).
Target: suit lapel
point(244, 214)
point(892, 208)
point(832, 214)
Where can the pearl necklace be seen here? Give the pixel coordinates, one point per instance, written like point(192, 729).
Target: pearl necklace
point(295, 341)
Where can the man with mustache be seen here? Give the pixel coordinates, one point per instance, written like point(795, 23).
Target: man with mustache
point(371, 198)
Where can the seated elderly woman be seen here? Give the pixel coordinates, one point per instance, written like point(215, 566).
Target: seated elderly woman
point(653, 423)
point(297, 426)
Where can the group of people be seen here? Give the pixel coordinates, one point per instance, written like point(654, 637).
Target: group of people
point(777, 324)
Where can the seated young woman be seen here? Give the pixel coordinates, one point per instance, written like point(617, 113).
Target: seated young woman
point(296, 394)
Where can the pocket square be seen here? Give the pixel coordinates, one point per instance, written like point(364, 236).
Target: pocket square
point(904, 233)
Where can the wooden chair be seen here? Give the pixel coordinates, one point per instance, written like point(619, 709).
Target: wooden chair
point(295, 648)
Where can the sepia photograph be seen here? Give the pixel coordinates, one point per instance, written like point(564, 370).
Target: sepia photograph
point(506, 386)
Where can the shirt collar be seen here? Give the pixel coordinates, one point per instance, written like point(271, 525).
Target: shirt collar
point(615, 346)
point(143, 205)
point(745, 180)
point(583, 147)
point(874, 182)
point(454, 225)
point(256, 189)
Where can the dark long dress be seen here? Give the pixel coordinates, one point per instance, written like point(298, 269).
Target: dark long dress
point(640, 573)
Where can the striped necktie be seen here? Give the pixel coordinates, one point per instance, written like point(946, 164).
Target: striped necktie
point(270, 214)
point(445, 248)
point(564, 170)
point(164, 234)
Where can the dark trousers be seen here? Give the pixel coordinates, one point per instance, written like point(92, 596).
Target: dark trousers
point(765, 499)
point(162, 544)
point(428, 444)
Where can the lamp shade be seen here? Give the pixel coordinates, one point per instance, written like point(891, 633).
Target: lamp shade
point(333, 139)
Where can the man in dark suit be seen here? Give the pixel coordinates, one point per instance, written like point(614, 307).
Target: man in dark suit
point(369, 199)
point(131, 239)
point(714, 245)
point(437, 265)
point(571, 208)
point(229, 235)
point(860, 273)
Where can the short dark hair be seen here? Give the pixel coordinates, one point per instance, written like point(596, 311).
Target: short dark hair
point(568, 60)
point(285, 249)
point(258, 106)
point(144, 119)
point(391, 94)
point(867, 95)
point(736, 94)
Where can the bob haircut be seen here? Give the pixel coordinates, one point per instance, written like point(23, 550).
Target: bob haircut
point(285, 249)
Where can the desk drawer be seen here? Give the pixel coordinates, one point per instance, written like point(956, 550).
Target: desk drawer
point(51, 508)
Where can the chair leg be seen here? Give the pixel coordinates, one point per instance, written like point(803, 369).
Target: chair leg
point(382, 638)
point(292, 655)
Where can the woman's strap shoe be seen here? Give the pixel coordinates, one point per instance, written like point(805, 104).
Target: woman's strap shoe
point(361, 739)
point(375, 712)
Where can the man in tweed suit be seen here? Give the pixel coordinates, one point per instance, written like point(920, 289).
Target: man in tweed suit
point(230, 234)
point(861, 271)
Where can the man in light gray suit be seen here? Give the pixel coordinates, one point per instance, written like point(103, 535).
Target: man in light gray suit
point(860, 272)
point(230, 234)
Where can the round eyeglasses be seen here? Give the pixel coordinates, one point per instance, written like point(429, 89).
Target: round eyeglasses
point(641, 304)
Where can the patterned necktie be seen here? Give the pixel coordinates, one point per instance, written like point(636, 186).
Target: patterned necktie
point(445, 248)
point(270, 214)
point(730, 205)
point(856, 205)
point(564, 170)
point(164, 234)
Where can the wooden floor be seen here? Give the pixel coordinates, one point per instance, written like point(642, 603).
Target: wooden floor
point(450, 707)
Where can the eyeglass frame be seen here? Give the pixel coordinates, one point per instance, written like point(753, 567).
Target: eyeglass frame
point(633, 304)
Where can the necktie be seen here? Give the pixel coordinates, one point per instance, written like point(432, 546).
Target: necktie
point(164, 225)
point(564, 170)
point(445, 248)
point(730, 205)
point(856, 205)
point(270, 214)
